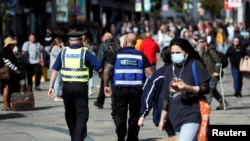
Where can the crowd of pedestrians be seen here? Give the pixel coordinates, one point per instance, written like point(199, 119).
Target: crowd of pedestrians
point(130, 75)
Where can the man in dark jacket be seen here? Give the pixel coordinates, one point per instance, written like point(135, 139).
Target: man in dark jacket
point(152, 96)
point(102, 56)
point(212, 61)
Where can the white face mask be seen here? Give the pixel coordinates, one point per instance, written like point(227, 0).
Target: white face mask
point(178, 58)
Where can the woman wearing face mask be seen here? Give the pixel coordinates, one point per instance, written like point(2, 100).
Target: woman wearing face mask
point(182, 96)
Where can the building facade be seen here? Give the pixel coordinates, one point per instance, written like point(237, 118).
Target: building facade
point(26, 16)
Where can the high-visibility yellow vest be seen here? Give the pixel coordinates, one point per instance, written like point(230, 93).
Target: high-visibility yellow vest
point(73, 65)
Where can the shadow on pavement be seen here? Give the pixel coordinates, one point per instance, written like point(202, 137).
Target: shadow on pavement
point(243, 95)
point(45, 107)
point(151, 139)
point(11, 116)
point(238, 107)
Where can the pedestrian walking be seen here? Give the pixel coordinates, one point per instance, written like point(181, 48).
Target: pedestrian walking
point(87, 43)
point(128, 66)
point(235, 52)
point(33, 57)
point(182, 95)
point(55, 49)
point(102, 56)
point(211, 59)
point(150, 48)
point(8, 86)
point(152, 97)
point(74, 62)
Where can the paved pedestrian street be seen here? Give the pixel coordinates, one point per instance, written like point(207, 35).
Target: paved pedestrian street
point(46, 122)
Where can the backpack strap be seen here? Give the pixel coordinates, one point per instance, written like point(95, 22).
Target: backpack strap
point(194, 72)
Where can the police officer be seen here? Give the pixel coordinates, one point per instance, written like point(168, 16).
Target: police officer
point(74, 62)
point(129, 66)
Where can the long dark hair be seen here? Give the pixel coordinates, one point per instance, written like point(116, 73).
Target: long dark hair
point(187, 47)
point(166, 55)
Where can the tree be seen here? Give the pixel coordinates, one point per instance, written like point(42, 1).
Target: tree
point(213, 6)
point(155, 8)
point(2, 13)
point(178, 5)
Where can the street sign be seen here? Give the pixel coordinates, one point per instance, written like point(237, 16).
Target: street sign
point(234, 3)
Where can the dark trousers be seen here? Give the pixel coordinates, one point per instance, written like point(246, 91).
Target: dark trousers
point(125, 99)
point(213, 91)
point(238, 80)
point(31, 70)
point(75, 98)
point(101, 95)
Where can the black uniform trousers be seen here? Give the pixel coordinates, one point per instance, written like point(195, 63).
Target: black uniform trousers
point(124, 99)
point(75, 98)
point(101, 96)
point(31, 70)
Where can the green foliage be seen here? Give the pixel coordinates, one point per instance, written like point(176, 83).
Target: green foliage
point(177, 5)
point(155, 8)
point(213, 6)
point(3, 8)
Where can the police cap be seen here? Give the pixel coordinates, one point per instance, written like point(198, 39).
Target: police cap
point(75, 35)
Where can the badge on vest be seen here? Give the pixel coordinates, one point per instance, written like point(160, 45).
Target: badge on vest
point(127, 62)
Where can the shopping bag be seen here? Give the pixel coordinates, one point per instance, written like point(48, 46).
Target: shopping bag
point(205, 110)
point(245, 65)
point(4, 73)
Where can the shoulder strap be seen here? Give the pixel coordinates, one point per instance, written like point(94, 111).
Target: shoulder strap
point(194, 72)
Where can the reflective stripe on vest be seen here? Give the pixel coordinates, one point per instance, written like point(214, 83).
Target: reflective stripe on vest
point(73, 67)
point(129, 69)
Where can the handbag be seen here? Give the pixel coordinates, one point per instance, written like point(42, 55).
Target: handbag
point(245, 65)
point(205, 110)
point(4, 73)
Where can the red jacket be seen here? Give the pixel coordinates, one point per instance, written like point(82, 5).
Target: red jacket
point(150, 48)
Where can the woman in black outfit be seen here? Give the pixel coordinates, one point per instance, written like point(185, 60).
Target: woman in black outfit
point(235, 52)
point(8, 86)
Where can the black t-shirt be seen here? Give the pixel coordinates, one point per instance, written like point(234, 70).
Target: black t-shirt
point(184, 108)
point(235, 54)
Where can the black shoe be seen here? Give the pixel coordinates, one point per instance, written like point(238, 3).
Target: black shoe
point(238, 95)
point(98, 105)
point(38, 88)
point(235, 94)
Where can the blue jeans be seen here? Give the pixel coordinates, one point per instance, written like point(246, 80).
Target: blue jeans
point(91, 82)
point(188, 132)
point(213, 91)
point(58, 84)
point(237, 78)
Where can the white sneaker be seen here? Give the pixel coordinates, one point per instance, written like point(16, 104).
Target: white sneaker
point(90, 92)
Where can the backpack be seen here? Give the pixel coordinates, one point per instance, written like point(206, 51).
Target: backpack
point(223, 59)
point(113, 47)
